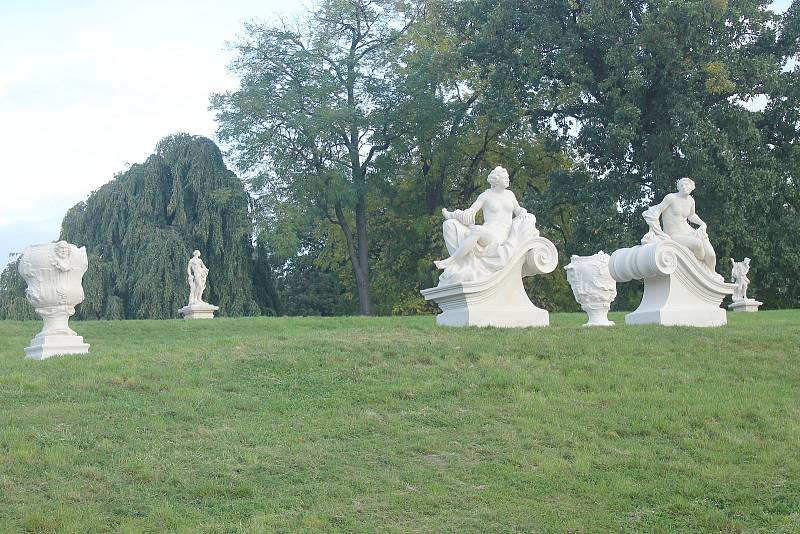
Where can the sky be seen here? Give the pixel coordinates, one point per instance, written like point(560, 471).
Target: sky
point(88, 87)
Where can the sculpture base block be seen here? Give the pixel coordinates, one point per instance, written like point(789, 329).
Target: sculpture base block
point(45, 346)
point(746, 305)
point(473, 314)
point(198, 311)
point(693, 316)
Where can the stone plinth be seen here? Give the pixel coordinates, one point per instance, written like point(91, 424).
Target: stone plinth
point(198, 311)
point(44, 346)
point(746, 305)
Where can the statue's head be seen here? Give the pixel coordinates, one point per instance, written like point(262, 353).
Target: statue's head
point(498, 176)
point(747, 261)
point(196, 253)
point(62, 249)
point(685, 185)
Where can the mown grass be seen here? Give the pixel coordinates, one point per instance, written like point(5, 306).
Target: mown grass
point(394, 425)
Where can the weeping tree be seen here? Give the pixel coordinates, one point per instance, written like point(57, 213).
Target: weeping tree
point(140, 229)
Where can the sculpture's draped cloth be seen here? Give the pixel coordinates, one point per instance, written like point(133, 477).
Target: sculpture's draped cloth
point(485, 258)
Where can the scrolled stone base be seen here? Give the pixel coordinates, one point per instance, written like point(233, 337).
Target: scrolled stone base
point(499, 300)
point(678, 290)
point(746, 305)
point(198, 311)
point(44, 346)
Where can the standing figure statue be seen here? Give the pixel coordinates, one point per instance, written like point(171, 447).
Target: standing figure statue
point(739, 270)
point(676, 212)
point(197, 274)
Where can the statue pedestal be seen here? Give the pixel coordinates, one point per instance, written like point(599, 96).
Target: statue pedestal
point(746, 305)
point(678, 291)
point(499, 300)
point(198, 311)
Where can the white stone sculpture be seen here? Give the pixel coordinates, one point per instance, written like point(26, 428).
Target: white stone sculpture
point(677, 264)
point(197, 273)
point(54, 273)
point(482, 280)
point(593, 287)
point(741, 303)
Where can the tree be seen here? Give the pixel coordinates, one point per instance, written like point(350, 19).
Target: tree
point(316, 109)
point(140, 229)
point(645, 91)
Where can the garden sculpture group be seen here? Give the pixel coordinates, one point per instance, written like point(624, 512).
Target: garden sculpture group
point(197, 273)
point(481, 282)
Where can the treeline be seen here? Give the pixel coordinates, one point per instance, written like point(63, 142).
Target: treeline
point(354, 126)
point(357, 125)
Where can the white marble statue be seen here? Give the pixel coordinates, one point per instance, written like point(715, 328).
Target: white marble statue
point(482, 280)
point(676, 211)
point(676, 262)
point(593, 287)
point(739, 271)
point(54, 274)
point(197, 273)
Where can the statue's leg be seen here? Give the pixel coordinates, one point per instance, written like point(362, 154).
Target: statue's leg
point(475, 234)
point(693, 244)
point(710, 254)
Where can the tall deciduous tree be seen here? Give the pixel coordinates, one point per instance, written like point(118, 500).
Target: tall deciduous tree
point(316, 109)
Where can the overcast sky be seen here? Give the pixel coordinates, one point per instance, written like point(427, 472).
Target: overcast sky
point(88, 86)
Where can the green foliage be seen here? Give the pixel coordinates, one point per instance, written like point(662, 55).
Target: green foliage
point(13, 304)
point(141, 228)
point(395, 425)
point(643, 92)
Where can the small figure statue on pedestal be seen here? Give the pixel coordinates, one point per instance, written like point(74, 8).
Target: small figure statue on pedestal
point(739, 270)
point(197, 273)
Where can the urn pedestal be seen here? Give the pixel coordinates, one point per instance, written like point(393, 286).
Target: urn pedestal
point(54, 273)
point(593, 286)
point(201, 310)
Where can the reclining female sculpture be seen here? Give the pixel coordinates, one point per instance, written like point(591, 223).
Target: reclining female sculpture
point(677, 263)
point(482, 279)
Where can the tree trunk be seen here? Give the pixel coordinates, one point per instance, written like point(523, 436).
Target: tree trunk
point(364, 290)
point(359, 255)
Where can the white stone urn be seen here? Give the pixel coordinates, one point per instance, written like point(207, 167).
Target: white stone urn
point(54, 274)
point(593, 287)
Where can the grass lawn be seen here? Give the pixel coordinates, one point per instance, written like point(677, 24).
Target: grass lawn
point(392, 424)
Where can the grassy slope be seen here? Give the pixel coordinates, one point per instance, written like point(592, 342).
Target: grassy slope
point(390, 423)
